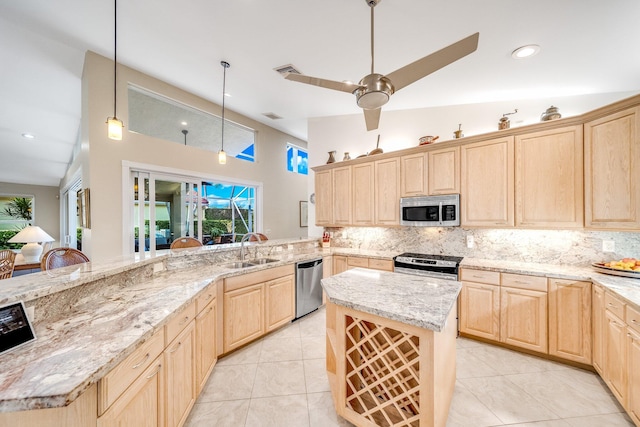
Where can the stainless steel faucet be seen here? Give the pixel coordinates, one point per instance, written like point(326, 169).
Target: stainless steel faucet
point(244, 239)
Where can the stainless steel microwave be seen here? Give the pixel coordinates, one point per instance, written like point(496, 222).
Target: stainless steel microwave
point(430, 211)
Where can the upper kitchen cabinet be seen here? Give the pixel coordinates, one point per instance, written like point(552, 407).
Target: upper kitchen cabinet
point(444, 171)
point(549, 179)
point(413, 175)
point(342, 196)
point(487, 183)
point(612, 171)
point(363, 206)
point(387, 191)
point(324, 197)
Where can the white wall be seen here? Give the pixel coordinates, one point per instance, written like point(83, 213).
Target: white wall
point(402, 129)
point(102, 172)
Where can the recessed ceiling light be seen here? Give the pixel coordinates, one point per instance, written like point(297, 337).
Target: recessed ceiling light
point(28, 136)
point(228, 95)
point(183, 123)
point(525, 51)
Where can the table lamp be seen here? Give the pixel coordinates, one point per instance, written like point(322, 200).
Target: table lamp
point(31, 235)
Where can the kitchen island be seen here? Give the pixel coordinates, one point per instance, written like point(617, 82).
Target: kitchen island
point(391, 347)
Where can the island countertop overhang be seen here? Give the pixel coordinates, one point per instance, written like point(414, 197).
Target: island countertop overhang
point(414, 300)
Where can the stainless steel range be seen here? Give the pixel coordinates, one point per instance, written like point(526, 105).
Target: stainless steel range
point(437, 266)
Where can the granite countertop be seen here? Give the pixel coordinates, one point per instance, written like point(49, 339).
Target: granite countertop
point(414, 300)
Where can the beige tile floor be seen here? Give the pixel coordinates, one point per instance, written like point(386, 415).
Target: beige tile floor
point(279, 381)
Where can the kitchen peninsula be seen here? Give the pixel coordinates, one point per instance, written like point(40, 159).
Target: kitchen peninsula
point(391, 347)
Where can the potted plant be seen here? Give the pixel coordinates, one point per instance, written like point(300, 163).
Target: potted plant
point(216, 234)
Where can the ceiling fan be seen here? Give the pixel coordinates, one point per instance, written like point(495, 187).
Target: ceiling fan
point(374, 90)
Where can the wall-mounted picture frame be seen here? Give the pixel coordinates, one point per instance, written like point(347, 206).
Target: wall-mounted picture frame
point(304, 213)
point(84, 208)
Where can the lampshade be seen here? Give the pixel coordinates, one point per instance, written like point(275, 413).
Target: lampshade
point(222, 157)
point(114, 128)
point(31, 235)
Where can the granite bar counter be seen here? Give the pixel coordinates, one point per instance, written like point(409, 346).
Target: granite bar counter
point(391, 347)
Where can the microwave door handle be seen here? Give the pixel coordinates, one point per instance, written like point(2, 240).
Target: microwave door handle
point(440, 214)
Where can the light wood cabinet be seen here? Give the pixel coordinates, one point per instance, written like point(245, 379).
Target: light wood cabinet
point(387, 191)
point(339, 264)
point(206, 342)
point(413, 175)
point(612, 171)
point(487, 183)
point(480, 303)
point(363, 206)
point(180, 375)
point(444, 171)
point(523, 318)
point(372, 263)
point(570, 320)
point(324, 197)
point(243, 316)
point(633, 375)
point(280, 301)
point(142, 404)
point(256, 303)
point(597, 311)
point(342, 196)
point(615, 356)
point(549, 179)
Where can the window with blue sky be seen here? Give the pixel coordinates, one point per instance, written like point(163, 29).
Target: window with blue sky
point(297, 160)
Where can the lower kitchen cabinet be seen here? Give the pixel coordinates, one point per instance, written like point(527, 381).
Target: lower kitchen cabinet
point(633, 365)
point(523, 318)
point(372, 263)
point(339, 264)
point(597, 312)
point(142, 404)
point(180, 375)
point(280, 302)
point(570, 320)
point(615, 361)
point(480, 304)
point(243, 316)
point(206, 337)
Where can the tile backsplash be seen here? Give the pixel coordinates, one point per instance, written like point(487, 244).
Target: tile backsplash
point(574, 247)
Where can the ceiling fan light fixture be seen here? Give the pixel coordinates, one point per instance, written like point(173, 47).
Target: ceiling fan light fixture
point(372, 100)
point(525, 51)
point(374, 91)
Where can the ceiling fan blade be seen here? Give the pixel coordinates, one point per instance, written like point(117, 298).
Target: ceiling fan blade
point(372, 118)
point(329, 84)
point(423, 67)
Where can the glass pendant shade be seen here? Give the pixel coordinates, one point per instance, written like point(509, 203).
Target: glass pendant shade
point(222, 157)
point(114, 128)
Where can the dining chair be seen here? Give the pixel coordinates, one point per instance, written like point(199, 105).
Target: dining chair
point(62, 257)
point(7, 262)
point(185, 242)
point(253, 238)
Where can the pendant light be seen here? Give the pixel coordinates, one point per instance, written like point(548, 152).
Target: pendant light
point(222, 156)
point(115, 125)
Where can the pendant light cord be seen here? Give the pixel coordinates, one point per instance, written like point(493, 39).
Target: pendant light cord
point(115, 54)
point(372, 7)
point(225, 65)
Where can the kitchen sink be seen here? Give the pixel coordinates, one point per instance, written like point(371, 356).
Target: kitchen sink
point(250, 263)
point(260, 261)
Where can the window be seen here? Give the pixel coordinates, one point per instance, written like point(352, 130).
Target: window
point(297, 160)
point(16, 212)
point(155, 115)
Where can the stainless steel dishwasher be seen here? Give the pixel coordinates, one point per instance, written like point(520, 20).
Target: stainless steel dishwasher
point(308, 287)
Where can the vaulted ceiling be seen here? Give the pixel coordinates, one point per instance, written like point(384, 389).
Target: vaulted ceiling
point(587, 47)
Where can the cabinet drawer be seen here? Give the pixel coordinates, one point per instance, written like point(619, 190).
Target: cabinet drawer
point(206, 297)
point(614, 305)
point(119, 378)
point(381, 264)
point(632, 317)
point(480, 276)
point(179, 322)
point(357, 262)
point(523, 281)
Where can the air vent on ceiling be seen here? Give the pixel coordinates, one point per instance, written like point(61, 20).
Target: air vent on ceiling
point(284, 69)
point(272, 116)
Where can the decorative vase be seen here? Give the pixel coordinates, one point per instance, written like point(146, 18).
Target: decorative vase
point(346, 156)
point(332, 157)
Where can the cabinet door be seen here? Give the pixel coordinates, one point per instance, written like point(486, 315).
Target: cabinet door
point(342, 195)
point(413, 175)
point(444, 171)
point(598, 328)
point(615, 357)
point(206, 354)
point(486, 184)
point(612, 171)
point(324, 197)
point(280, 303)
point(243, 316)
point(480, 310)
point(180, 374)
point(142, 404)
point(363, 198)
point(549, 179)
point(633, 365)
point(387, 191)
point(570, 320)
point(339, 264)
point(523, 318)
